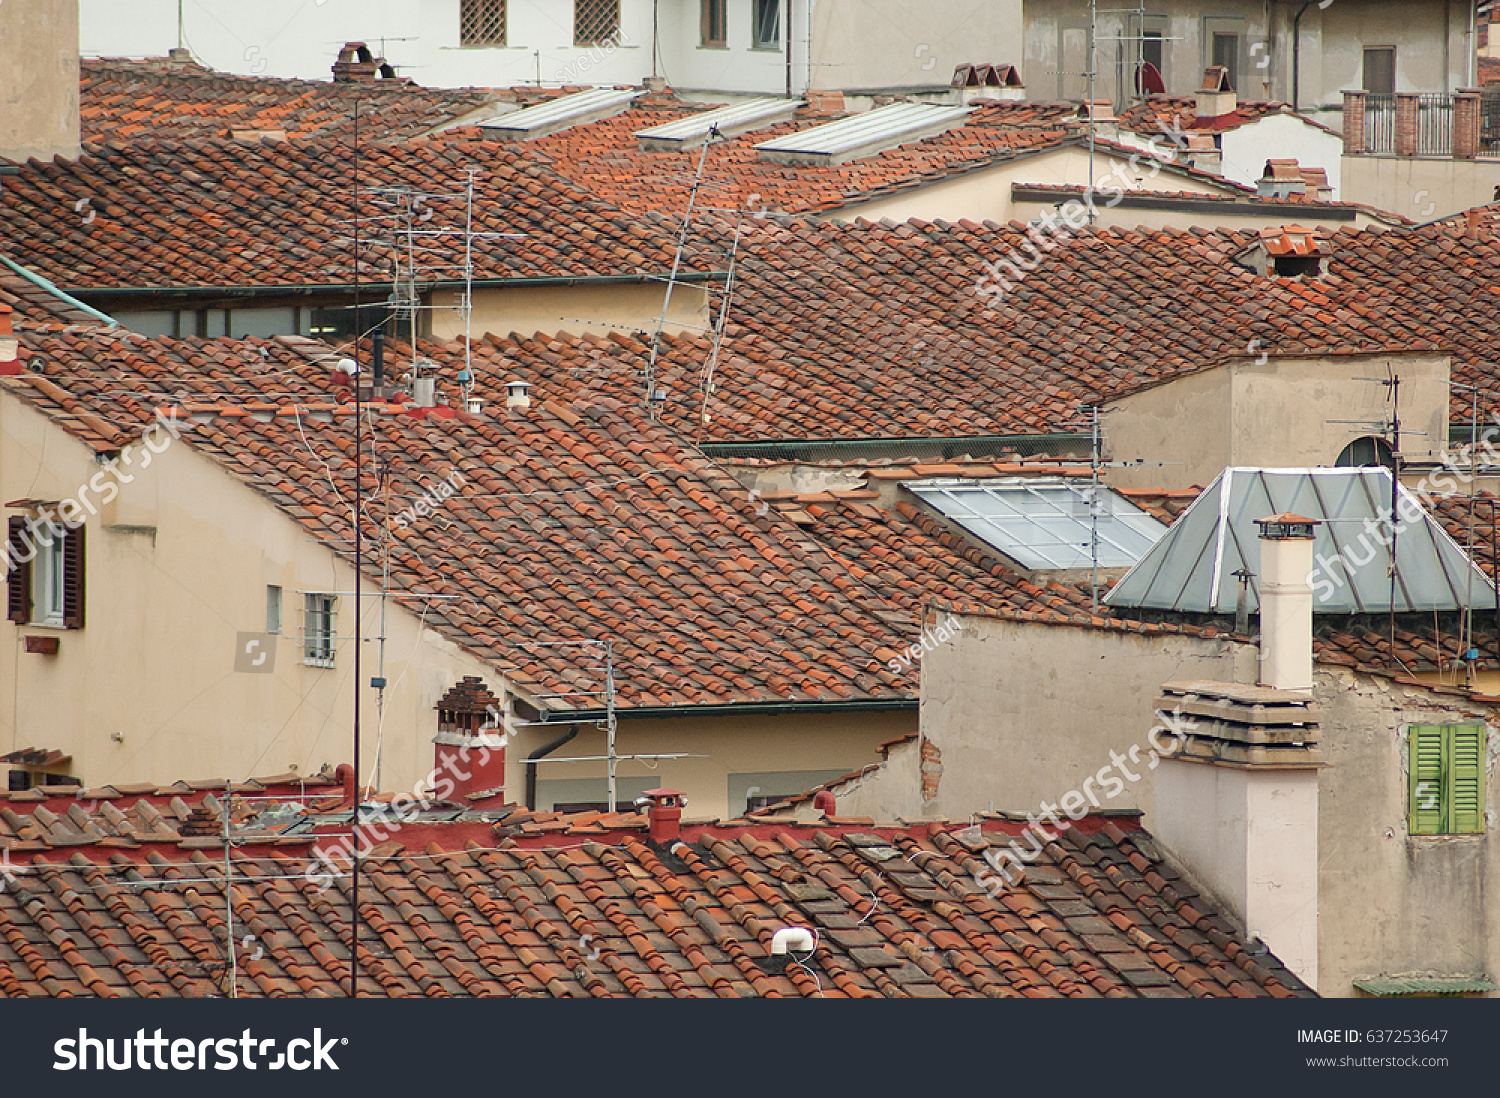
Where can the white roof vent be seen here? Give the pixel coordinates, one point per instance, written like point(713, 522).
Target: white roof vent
point(559, 114)
point(863, 134)
point(692, 131)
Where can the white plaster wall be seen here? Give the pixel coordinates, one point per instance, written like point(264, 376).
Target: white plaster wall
point(1280, 136)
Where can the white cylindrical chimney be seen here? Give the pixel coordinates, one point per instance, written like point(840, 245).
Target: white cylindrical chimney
point(1286, 603)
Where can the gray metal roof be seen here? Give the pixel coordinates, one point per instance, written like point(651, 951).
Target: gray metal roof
point(559, 114)
point(693, 130)
point(1044, 523)
point(1192, 568)
point(864, 134)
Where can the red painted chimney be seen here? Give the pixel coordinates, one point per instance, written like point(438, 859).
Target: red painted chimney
point(665, 815)
point(469, 749)
point(10, 347)
point(825, 802)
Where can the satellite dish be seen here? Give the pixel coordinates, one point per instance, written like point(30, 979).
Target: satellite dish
point(1148, 80)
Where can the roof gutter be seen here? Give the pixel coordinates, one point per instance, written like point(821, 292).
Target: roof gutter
point(745, 709)
point(349, 288)
point(949, 445)
point(37, 280)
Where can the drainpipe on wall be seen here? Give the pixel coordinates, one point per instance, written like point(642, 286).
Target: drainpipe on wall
point(541, 753)
point(1297, 56)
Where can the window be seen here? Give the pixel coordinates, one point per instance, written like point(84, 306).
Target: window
point(318, 631)
point(273, 609)
point(1380, 70)
point(767, 23)
point(1446, 779)
point(1151, 48)
point(1366, 452)
point(44, 573)
point(481, 22)
point(18, 781)
point(595, 22)
point(1227, 53)
point(713, 23)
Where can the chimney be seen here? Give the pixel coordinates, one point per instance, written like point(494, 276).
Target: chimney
point(1102, 112)
point(1001, 82)
point(469, 748)
point(665, 815)
point(1281, 179)
point(1214, 97)
point(1473, 219)
point(1286, 605)
point(825, 802)
point(1236, 802)
point(357, 65)
point(10, 346)
point(824, 102)
point(515, 394)
point(39, 80)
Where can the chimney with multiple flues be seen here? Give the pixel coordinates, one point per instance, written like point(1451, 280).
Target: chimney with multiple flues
point(469, 748)
point(1236, 796)
point(356, 64)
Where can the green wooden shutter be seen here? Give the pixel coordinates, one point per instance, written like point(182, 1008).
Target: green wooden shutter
point(1426, 808)
point(1466, 743)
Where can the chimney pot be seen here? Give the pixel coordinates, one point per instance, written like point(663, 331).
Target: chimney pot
point(1286, 604)
point(665, 815)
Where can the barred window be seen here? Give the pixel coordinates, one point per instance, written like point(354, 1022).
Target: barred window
point(595, 22)
point(481, 22)
point(319, 645)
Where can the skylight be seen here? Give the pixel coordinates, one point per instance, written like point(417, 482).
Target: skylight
point(863, 134)
point(692, 131)
point(1193, 568)
point(1044, 524)
point(559, 114)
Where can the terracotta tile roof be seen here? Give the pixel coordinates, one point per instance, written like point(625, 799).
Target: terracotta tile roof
point(578, 907)
point(1162, 114)
point(604, 158)
point(1300, 201)
point(37, 305)
point(123, 100)
point(571, 521)
point(222, 213)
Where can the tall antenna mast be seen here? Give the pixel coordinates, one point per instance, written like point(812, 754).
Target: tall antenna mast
point(358, 576)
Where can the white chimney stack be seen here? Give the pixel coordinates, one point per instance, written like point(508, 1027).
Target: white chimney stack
point(1286, 602)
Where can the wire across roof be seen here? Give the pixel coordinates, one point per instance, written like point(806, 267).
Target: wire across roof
point(1193, 568)
point(864, 134)
point(1045, 524)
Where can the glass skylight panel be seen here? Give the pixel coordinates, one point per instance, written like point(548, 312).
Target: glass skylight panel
point(1046, 525)
point(693, 130)
point(559, 114)
point(864, 134)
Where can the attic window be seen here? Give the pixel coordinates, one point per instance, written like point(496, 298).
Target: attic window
point(1297, 266)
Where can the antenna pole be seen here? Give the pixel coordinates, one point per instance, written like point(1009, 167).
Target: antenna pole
point(687, 221)
point(609, 702)
point(358, 572)
point(234, 972)
point(1094, 506)
point(1395, 384)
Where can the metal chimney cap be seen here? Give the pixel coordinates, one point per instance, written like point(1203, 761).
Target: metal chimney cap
point(1287, 525)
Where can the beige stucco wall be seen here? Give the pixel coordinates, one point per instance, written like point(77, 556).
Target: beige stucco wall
point(579, 310)
point(985, 195)
point(1391, 902)
point(1025, 712)
point(718, 747)
point(1022, 713)
point(879, 44)
point(1273, 414)
point(1421, 188)
point(39, 79)
point(176, 567)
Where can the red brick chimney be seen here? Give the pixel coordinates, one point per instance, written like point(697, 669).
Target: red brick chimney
point(665, 815)
point(357, 65)
point(469, 748)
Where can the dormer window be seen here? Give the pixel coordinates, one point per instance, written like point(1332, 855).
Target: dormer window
point(1292, 251)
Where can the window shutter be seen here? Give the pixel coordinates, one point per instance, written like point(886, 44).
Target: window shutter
point(73, 579)
point(1466, 778)
point(18, 575)
point(1426, 808)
